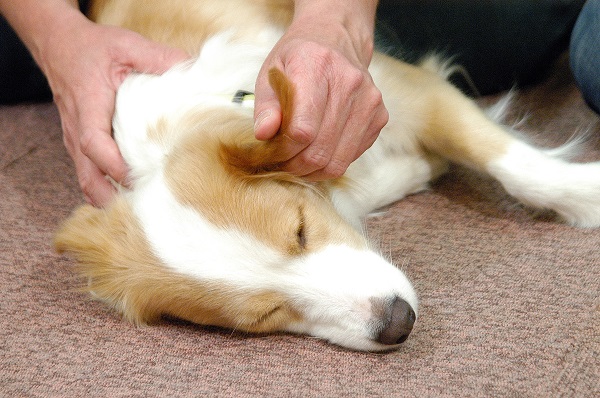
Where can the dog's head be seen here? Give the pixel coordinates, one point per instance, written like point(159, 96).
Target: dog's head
point(218, 236)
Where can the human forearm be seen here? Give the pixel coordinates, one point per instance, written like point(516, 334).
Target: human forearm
point(352, 21)
point(85, 63)
point(38, 22)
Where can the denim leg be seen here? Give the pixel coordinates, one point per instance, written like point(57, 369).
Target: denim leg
point(585, 53)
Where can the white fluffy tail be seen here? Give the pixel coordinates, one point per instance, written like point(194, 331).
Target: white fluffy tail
point(541, 179)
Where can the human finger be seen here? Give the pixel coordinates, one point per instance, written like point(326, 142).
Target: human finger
point(147, 56)
point(267, 108)
point(96, 189)
point(349, 148)
point(309, 121)
point(317, 154)
point(95, 134)
point(362, 121)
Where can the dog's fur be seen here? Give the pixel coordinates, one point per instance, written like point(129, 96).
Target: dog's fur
point(211, 234)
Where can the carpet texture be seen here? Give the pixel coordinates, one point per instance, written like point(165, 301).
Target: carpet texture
point(510, 299)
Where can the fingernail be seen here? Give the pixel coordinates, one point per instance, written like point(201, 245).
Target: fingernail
point(261, 118)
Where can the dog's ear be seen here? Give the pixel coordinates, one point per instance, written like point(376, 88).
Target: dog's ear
point(285, 94)
point(252, 156)
point(100, 239)
point(113, 256)
point(79, 234)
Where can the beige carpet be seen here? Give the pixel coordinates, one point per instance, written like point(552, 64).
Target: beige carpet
point(510, 299)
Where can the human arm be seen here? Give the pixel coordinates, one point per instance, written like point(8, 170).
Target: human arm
point(85, 63)
point(338, 111)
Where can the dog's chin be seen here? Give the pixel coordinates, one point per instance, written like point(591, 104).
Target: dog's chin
point(364, 339)
point(342, 338)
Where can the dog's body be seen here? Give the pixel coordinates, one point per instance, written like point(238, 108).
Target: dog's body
point(208, 235)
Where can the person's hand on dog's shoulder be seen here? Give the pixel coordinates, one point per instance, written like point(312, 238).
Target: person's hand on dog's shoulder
point(338, 111)
point(85, 95)
point(85, 63)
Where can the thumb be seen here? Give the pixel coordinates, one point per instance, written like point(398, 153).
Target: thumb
point(267, 110)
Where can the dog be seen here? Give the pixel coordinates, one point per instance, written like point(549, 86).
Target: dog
point(212, 233)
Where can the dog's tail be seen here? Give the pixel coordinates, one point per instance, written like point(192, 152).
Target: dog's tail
point(446, 68)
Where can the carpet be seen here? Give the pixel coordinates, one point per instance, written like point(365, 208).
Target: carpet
point(510, 299)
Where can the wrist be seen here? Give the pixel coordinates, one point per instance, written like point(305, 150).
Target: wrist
point(38, 21)
point(347, 23)
point(65, 29)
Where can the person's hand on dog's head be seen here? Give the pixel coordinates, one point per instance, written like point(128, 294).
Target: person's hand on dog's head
point(85, 63)
point(337, 111)
point(84, 72)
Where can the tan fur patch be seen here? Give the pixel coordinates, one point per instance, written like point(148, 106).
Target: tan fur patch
point(256, 157)
point(118, 262)
point(187, 24)
point(449, 124)
point(461, 132)
point(208, 172)
point(285, 94)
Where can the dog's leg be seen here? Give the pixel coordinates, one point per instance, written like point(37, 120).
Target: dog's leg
point(461, 132)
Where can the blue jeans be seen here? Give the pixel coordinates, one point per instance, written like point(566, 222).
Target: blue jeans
point(585, 53)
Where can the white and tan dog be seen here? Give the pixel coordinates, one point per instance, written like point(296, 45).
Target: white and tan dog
point(211, 234)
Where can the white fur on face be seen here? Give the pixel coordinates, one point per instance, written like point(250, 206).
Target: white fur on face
point(332, 289)
point(337, 287)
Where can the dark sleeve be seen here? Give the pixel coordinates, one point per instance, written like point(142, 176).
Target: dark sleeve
point(500, 42)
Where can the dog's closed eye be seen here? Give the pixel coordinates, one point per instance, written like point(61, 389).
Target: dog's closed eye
point(301, 231)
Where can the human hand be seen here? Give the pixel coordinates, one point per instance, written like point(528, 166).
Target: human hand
point(85, 63)
point(338, 112)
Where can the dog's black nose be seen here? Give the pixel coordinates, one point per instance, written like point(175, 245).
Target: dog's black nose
point(399, 323)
